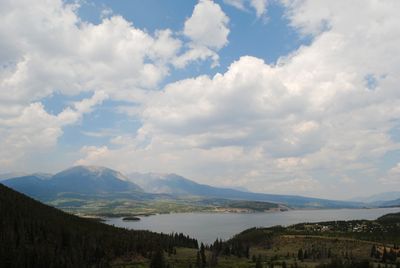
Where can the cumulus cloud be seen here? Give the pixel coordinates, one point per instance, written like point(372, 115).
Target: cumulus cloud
point(46, 48)
point(309, 120)
point(33, 129)
point(208, 25)
point(312, 121)
point(207, 28)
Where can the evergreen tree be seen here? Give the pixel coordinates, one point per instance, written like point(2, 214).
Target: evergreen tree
point(384, 255)
point(198, 260)
point(36, 235)
point(300, 254)
point(214, 258)
point(203, 255)
point(158, 260)
point(305, 254)
point(258, 262)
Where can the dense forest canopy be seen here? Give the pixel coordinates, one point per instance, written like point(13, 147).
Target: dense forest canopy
point(36, 235)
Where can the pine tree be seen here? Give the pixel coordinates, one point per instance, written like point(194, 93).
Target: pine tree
point(300, 254)
point(158, 260)
point(203, 255)
point(258, 262)
point(384, 255)
point(198, 260)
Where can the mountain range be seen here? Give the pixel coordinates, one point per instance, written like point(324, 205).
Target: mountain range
point(379, 198)
point(79, 180)
point(92, 182)
point(180, 186)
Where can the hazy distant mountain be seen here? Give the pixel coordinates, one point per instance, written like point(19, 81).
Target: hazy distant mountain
point(9, 175)
point(390, 203)
point(92, 180)
point(178, 185)
point(32, 185)
point(386, 196)
point(167, 184)
point(87, 180)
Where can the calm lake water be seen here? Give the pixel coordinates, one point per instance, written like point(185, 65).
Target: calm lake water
point(206, 227)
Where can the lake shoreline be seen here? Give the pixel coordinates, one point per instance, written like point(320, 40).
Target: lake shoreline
point(207, 226)
point(221, 211)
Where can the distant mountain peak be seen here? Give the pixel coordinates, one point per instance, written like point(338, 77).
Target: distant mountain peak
point(9, 175)
point(177, 185)
point(43, 176)
point(97, 171)
point(97, 180)
point(91, 180)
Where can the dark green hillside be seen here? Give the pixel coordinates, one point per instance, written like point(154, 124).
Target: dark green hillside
point(390, 218)
point(357, 243)
point(36, 235)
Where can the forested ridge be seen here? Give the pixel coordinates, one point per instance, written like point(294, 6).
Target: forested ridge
point(36, 235)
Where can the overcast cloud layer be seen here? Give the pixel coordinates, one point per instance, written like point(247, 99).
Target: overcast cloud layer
point(321, 121)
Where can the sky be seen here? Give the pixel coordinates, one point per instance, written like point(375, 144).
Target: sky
point(276, 96)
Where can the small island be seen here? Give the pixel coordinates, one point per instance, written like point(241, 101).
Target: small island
point(131, 218)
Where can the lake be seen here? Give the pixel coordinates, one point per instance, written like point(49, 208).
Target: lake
point(206, 227)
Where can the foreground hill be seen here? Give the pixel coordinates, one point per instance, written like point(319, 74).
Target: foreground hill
point(36, 235)
point(180, 186)
point(356, 243)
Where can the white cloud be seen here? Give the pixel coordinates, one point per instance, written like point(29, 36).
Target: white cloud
point(46, 48)
point(239, 4)
point(53, 50)
point(208, 25)
point(259, 6)
point(309, 118)
point(208, 31)
point(33, 130)
point(310, 122)
point(392, 177)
